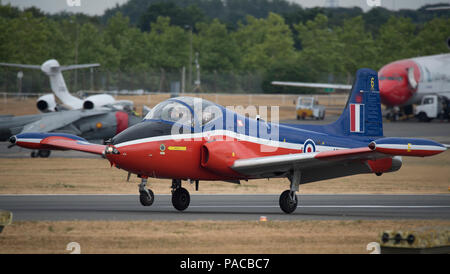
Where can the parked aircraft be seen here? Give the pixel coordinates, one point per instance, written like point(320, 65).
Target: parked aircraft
point(95, 124)
point(404, 82)
point(47, 102)
point(187, 138)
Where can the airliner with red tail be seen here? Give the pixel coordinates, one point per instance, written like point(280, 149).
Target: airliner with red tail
point(192, 139)
point(404, 82)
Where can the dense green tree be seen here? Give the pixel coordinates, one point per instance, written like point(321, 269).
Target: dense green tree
point(130, 43)
point(218, 50)
point(169, 48)
point(359, 48)
point(433, 36)
point(322, 49)
point(182, 17)
point(240, 42)
point(93, 48)
point(264, 42)
point(395, 39)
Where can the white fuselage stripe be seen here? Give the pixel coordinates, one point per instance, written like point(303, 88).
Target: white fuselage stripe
point(226, 133)
point(29, 140)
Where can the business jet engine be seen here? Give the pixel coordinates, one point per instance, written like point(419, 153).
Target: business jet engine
point(98, 100)
point(46, 103)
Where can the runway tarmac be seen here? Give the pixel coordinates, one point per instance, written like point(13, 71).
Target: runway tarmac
point(226, 207)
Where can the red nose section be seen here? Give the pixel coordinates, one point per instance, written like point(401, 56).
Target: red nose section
point(122, 121)
point(395, 86)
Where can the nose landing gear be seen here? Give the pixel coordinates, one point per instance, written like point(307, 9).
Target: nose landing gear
point(146, 196)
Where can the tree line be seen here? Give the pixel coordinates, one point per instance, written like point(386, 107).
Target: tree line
point(240, 48)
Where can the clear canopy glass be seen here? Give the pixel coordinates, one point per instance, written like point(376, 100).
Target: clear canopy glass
point(185, 110)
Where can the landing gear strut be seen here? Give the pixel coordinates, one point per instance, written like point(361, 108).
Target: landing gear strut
point(40, 153)
point(180, 196)
point(146, 196)
point(288, 199)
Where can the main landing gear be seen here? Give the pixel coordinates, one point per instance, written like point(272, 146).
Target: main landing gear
point(40, 153)
point(288, 199)
point(180, 196)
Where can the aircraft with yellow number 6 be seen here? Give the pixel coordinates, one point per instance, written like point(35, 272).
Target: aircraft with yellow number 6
point(187, 138)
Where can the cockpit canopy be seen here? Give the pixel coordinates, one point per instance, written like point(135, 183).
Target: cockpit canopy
point(186, 111)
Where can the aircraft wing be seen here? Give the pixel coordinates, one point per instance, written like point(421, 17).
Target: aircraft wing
point(55, 120)
point(64, 143)
point(311, 85)
point(56, 141)
point(303, 161)
point(379, 156)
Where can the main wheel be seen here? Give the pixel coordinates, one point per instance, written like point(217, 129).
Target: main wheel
point(34, 154)
point(44, 153)
point(181, 199)
point(146, 199)
point(287, 204)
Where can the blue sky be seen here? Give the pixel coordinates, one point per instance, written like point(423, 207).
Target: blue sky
point(97, 7)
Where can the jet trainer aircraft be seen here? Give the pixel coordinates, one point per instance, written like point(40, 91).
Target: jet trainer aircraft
point(192, 139)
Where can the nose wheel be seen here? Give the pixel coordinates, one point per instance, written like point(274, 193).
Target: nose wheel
point(146, 196)
point(180, 196)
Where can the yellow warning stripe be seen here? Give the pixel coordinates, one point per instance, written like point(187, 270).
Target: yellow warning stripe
point(176, 148)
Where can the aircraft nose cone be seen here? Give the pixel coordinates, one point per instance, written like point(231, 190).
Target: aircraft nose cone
point(393, 93)
point(13, 140)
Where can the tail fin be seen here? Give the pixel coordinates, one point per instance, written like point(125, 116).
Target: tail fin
point(58, 85)
point(362, 113)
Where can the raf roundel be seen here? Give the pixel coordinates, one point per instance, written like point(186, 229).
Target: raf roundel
point(309, 146)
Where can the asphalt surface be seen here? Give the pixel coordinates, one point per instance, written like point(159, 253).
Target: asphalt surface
point(227, 207)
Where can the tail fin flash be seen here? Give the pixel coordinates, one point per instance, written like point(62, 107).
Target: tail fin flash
point(362, 113)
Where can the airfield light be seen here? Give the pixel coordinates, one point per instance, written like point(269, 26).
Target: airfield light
point(410, 239)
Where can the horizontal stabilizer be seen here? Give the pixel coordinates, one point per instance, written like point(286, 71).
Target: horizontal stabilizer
point(407, 147)
point(79, 66)
point(20, 66)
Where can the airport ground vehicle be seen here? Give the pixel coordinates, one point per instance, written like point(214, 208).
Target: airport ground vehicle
point(432, 107)
point(309, 107)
